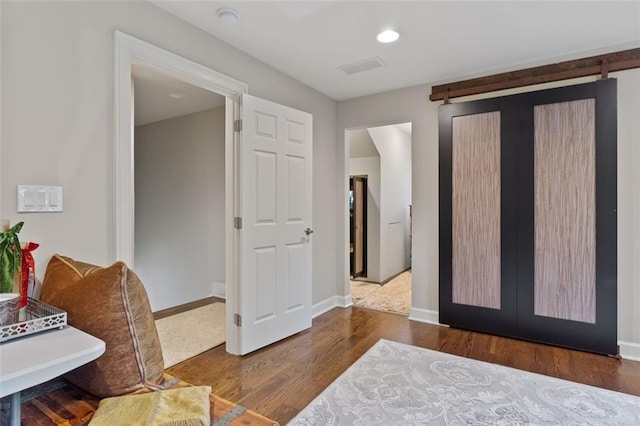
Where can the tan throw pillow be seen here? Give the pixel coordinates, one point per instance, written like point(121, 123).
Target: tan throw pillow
point(175, 407)
point(111, 304)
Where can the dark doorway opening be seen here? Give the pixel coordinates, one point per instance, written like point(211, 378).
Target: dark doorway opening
point(358, 225)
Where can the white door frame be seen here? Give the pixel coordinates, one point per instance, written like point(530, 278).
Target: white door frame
point(128, 51)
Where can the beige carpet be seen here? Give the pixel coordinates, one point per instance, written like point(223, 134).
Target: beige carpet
point(394, 296)
point(190, 333)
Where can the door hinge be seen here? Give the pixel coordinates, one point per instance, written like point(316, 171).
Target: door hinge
point(237, 222)
point(237, 125)
point(237, 320)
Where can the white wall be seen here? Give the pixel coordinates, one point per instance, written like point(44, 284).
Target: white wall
point(412, 104)
point(57, 117)
point(180, 207)
point(370, 166)
point(394, 147)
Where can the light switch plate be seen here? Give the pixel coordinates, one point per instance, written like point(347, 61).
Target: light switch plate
point(39, 198)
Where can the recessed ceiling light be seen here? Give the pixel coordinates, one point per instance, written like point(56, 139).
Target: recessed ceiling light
point(176, 95)
point(388, 36)
point(228, 14)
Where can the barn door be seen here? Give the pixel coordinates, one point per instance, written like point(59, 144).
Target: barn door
point(567, 262)
point(478, 238)
point(528, 221)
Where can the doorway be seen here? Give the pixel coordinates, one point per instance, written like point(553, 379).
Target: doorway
point(130, 51)
point(255, 298)
point(179, 189)
point(179, 150)
point(358, 226)
point(381, 158)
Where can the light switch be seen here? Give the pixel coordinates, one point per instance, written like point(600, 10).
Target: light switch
point(29, 198)
point(39, 198)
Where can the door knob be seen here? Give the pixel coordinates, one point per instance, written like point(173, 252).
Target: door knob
point(308, 231)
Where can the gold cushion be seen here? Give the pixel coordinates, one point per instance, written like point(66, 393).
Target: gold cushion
point(176, 407)
point(111, 304)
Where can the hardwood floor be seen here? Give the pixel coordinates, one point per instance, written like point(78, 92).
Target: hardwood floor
point(280, 380)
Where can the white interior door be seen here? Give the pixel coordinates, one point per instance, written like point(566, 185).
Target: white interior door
point(275, 237)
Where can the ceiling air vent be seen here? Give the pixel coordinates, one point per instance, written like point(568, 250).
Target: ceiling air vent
point(366, 65)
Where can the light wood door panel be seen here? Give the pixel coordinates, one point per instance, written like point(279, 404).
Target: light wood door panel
point(476, 210)
point(565, 223)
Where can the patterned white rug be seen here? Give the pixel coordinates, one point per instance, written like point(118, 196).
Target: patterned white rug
point(398, 384)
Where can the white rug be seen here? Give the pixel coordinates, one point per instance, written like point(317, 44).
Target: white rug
point(397, 384)
point(192, 332)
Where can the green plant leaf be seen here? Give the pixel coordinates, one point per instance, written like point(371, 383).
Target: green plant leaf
point(10, 257)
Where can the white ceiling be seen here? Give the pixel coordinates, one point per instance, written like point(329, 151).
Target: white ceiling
point(152, 101)
point(440, 40)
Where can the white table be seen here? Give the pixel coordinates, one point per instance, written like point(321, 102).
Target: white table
point(34, 359)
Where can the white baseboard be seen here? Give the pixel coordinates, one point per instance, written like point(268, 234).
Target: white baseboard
point(344, 301)
point(630, 351)
point(324, 306)
point(425, 315)
point(219, 289)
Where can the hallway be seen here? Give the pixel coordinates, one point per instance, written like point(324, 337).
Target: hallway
point(394, 296)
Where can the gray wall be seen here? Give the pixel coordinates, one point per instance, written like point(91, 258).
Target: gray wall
point(180, 207)
point(412, 104)
point(57, 119)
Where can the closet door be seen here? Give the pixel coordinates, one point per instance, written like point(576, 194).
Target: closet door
point(477, 217)
point(567, 272)
point(528, 229)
